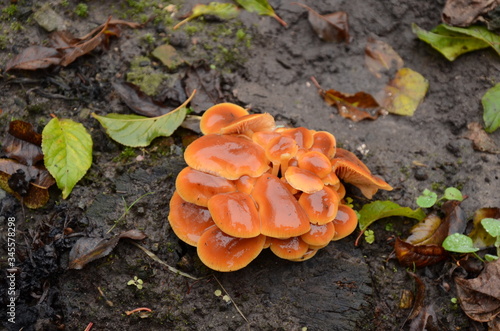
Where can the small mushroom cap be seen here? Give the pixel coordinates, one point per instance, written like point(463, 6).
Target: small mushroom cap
point(315, 162)
point(188, 221)
point(324, 142)
point(303, 180)
point(197, 187)
point(302, 136)
point(320, 235)
point(307, 255)
point(351, 170)
point(219, 116)
point(341, 191)
point(235, 214)
point(222, 252)
point(290, 249)
point(345, 222)
point(226, 156)
point(321, 206)
point(279, 147)
point(249, 124)
point(245, 184)
point(332, 180)
point(262, 138)
point(280, 214)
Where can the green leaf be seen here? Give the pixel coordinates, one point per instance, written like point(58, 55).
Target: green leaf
point(452, 193)
point(492, 226)
point(139, 131)
point(459, 243)
point(67, 150)
point(490, 258)
point(261, 7)
point(380, 209)
point(427, 199)
point(453, 42)
point(369, 236)
point(491, 106)
point(225, 11)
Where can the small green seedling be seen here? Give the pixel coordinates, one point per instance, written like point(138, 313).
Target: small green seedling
point(492, 226)
point(429, 198)
point(369, 236)
point(137, 282)
point(460, 243)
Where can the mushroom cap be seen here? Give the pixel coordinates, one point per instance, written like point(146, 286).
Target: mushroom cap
point(280, 214)
point(307, 255)
point(332, 180)
point(302, 136)
point(315, 162)
point(219, 116)
point(324, 142)
point(262, 138)
point(321, 206)
point(341, 191)
point(222, 252)
point(226, 156)
point(290, 249)
point(235, 214)
point(249, 124)
point(320, 235)
point(245, 184)
point(345, 222)
point(281, 147)
point(188, 221)
point(351, 170)
point(197, 187)
point(303, 180)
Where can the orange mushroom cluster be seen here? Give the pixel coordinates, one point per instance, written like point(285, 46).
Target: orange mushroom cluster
point(250, 186)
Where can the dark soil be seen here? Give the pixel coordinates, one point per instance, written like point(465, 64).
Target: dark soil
point(268, 68)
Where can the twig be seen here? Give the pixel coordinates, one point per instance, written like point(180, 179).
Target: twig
point(89, 326)
point(130, 312)
point(234, 303)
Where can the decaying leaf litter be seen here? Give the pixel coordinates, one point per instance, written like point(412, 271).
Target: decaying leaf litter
point(438, 161)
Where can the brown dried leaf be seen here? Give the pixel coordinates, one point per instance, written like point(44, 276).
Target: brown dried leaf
point(380, 58)
point(419, 296)
point(455, 220)
point(351, 105)
point(428, 231)
point(33, 58)
point(87, 249)
point(466, 12)
point(207, 83)
point(22, 143)
point(480, 139)
point(138, 101)
point(480, 296)
point(330, 27)
point(426, 320)
point(479, 236)
point(410, 255)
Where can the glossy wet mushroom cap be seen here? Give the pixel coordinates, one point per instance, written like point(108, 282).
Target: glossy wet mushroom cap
point(324, 142)
point(303, 180)
point(280, 214)
point(321, 206)
point(249, 124)
point(289, 249)
point(315, 162)
point(235, 214)
point(188, 221)
point(345, 222)
point(302, 136)
point(279, 151)
point(320, 235)
point(198, 187)
point(219, 116)
point(222, 252)
point(226, 156)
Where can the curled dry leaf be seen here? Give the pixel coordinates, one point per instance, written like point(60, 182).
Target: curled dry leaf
point(138, 101)
point(419, 296)
point(480, 139)
point(480, 296)
point(22, 143)
point(410, 255)
point(428, 231)
point(33, 58)
point(87, 249)
point(466, 12)
point(381, 58)
point(329, 27)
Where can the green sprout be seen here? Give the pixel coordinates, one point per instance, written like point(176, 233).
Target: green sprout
point(492, 226)
point(82, 10)
point(369, 236)
point(137, 282)
point(127, 209)
point(429, 198)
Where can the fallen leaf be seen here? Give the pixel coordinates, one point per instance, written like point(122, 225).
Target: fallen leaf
point(329, 27)
point(455, 220)
point(67, 147)
point(33, 58)
point(22, 143)
point(207, 83)
point(404, 93)
point(138, 101)
point(453, 42)
point(168, 55)
point(410, 255)
point(139, 131)
point(425, 320)
point(87, 250)
point(466, 12)
point(480, 297)
point(491, 106)
point(381, 58)
point(479, 236)
point(261, 7)
point(225, 11)
point(419, 296)
point(459, 243)
point(480, 139)
point(428, 231)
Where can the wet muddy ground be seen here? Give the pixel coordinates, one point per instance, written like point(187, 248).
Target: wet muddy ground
point(267, 67)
